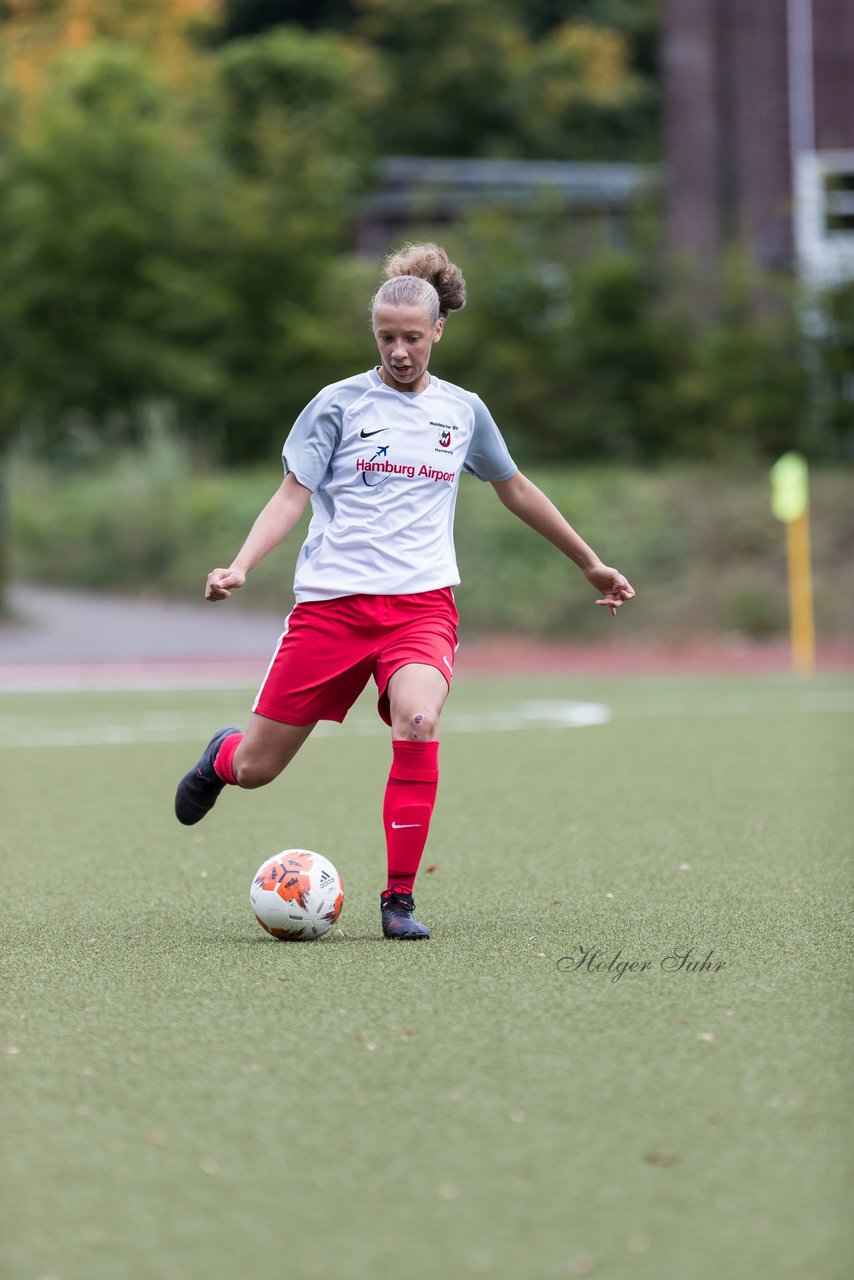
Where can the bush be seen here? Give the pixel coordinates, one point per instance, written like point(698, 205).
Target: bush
point(698, 543)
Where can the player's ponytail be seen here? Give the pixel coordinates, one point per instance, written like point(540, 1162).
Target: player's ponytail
point(422, 275)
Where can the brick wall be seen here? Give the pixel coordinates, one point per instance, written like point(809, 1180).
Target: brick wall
point(833, 73)
point(726, 128)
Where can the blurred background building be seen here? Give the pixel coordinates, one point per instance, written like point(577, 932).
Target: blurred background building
point(598, 200)
point(759, 131)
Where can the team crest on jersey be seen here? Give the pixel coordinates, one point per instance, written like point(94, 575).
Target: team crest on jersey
point(445, 429)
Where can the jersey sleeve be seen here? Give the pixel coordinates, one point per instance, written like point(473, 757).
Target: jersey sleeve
point(488, 457)
point(312, 440)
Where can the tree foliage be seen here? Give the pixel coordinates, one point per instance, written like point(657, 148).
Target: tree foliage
point(467, 77)
point(563, 79)
point(177, 225)
point(155, 251)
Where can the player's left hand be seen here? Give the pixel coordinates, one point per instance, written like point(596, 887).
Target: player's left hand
point(616, 589)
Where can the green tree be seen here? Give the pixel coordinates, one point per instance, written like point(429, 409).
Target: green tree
point(452, 75)
point(638, 21)
point(579, 98)
point(292, 126)
point(561, 79)
point(575, 353)
point(744, 391)
point(105, 297)
point(829, 322)
point(250, 17)
point(294, 108)
point(158, 249)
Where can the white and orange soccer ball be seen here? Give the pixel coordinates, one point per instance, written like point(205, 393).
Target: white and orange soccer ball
point(297, 895)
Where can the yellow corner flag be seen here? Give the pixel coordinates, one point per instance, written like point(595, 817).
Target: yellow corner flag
point(789, 487)
point(790, 503)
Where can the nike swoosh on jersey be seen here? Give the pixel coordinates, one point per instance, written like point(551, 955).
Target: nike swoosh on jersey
point(398, 826)
point(366, 435)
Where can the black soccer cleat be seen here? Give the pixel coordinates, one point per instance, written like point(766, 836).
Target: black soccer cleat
point(398, 919)
point(199, 789)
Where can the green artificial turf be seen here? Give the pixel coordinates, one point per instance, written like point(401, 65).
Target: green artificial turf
point(184, 1098)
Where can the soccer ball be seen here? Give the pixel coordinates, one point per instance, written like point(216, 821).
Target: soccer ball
point(297, 895)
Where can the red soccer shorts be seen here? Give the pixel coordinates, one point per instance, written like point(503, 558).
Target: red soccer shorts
point(331, 648)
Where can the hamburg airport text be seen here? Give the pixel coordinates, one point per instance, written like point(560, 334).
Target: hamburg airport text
point(404, 469)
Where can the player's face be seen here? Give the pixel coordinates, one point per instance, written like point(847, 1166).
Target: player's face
point(405, 338)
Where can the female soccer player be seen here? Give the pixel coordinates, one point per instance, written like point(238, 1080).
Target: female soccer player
point(380, 455)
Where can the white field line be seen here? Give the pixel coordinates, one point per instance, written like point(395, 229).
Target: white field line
point(17, 732)
point(24, 731)
point(144, 682)
point(730, 704)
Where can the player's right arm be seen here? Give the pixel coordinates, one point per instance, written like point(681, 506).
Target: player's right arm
point(275, 522)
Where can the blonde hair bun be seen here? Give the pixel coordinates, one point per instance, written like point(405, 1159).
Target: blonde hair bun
point(430, 262)
point(421, 275)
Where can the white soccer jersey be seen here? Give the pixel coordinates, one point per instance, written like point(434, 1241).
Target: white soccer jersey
point(384, 467)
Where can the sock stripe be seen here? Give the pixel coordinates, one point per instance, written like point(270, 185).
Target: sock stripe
point(415, 761)
point(224, 761)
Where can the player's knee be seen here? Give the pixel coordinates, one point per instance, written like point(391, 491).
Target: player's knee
point(420, 725)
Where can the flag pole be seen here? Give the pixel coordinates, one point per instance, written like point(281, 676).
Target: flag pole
point(790, 503)
point(800, 595)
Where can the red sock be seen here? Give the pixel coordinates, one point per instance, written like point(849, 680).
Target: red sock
point(408, 806)
point(224, 759)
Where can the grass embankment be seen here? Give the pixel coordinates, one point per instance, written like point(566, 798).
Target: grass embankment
point(699, 543)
